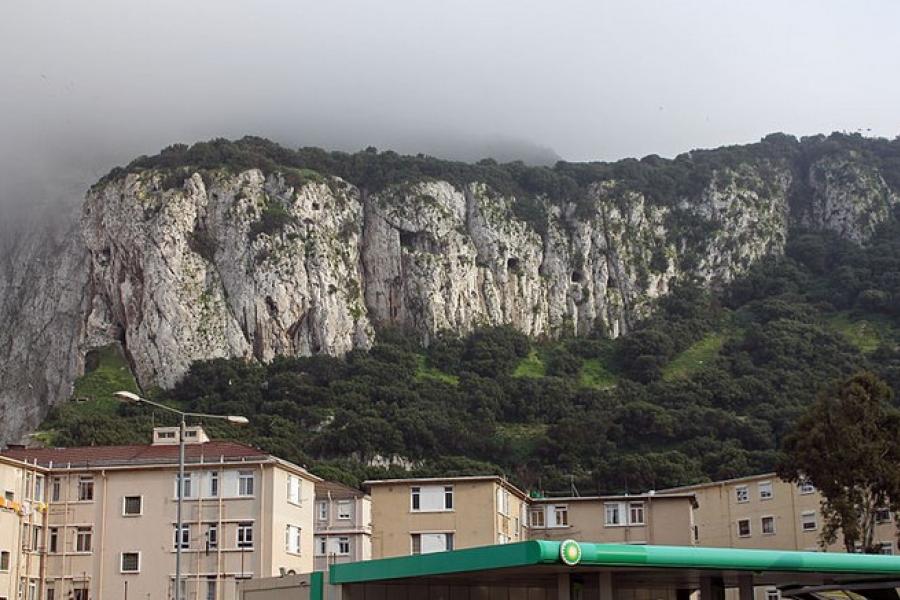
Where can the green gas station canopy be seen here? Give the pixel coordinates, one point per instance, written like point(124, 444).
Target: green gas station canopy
point(540, 552)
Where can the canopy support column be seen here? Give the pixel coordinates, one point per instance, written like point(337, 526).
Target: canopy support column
point(745, 586)
point(606, 585)
point(563, 587)
point(712, 588)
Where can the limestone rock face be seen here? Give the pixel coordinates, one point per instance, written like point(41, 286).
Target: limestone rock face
point(44, 297)
point(849, 197)
point(257, 265)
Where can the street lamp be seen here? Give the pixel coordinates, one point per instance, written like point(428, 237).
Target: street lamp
point(235, 419)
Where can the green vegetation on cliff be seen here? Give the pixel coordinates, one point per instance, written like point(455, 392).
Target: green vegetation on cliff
point(706, 387)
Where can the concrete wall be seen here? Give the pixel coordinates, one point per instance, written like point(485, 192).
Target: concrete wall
point(666, 521)
point(17, 517)
point(152, 533)
point(719, 512)
point(474, 520)
point(291, 587)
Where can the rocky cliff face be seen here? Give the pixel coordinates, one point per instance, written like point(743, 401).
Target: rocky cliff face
point(255, 265)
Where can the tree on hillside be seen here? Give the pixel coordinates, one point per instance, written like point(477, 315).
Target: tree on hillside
point(848, 445)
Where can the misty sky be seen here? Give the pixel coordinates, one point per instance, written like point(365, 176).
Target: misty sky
point(90, 84)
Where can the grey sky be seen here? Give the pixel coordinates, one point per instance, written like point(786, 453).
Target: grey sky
point(90, 84)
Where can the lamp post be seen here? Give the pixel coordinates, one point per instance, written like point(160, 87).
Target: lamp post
point(236, 419)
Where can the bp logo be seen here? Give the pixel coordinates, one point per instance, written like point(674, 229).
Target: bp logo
point(570, 552)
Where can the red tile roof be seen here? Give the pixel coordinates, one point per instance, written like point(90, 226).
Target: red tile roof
point(337, 490)
point(145, 454)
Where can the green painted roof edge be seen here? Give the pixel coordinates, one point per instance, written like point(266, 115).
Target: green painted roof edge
point(536, 552)
point(500, 556)
point(733, 559)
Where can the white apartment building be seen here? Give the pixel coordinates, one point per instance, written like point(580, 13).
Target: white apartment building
point(102, 521)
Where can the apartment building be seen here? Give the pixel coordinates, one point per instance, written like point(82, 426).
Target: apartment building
point(109, 530)
point(23, 517)
point(629, 519)
point(343, 525)
point(766, 512)
point(417, 516)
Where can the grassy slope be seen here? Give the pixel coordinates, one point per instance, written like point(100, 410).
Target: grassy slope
point(595, 375)
point(93, 393)
point(425, 371)
point(531, 366)
point(696, 356)
point(864, 333)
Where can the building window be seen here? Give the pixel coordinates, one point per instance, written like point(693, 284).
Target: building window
point(425, 543)
point(536, 517)
point(85, 488)
point(292, 539)
point(132, 506)
point(32, 590)
point(10, 496)
point(613, 515)
point(214, 484)
point(343, 546)
point(4, 560)
point(83, 539)
point(343, 509)
point(322, 511)
point(806, 487)
point(503, 501)
point(743, 526)
point(55, 490)
point(54, 540)
point(26, 536)
point(293, 489)
point(742, 493)
point(245, 535)
point(321, 545)
point(561, 516)
point(773, 594)
point(431, 498)
point(245, 483)
point(51, 593)
point(636, 513)
point(212, 536)
point(765, 490)
point(808, 521)
point(131, 562)
point(882, 515)
point(36, 537)
point(886, 548)
point(39, 488)
point(185, 538)
point(80, 593)
point(187, 488)
point(767, 525)
point(695, 532)
point(211, 589)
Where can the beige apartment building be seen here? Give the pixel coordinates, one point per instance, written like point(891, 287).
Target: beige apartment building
point(109, 530)
point(417, 516)
point(343, 525)
point(23, 517)
point(630, 519)
point(766, 512)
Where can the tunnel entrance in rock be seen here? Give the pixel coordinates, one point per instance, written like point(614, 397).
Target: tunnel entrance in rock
point(512, 264)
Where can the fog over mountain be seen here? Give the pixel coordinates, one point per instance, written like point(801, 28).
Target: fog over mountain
point(89, 85)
